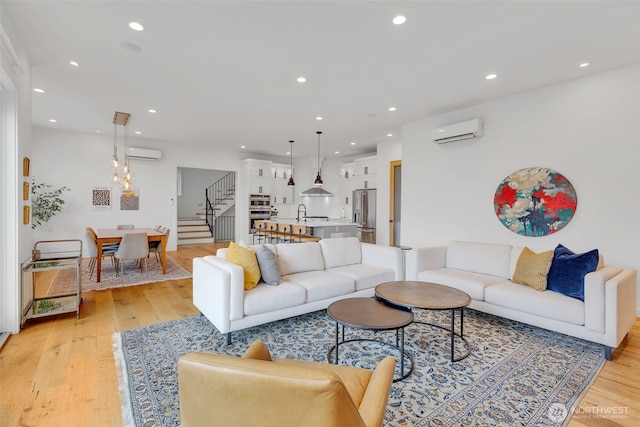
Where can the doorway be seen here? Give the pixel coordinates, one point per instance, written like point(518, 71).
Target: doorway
point(395, 217)
point(9, 283)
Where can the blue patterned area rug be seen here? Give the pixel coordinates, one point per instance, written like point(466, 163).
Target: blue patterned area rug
point(516, 375)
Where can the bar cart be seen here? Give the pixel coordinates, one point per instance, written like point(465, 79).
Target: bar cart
point(53, 255)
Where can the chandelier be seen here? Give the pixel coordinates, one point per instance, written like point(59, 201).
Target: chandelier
point(121, 174)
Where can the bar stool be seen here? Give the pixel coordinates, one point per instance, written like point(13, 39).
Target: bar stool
point(272, 230)
point(260, 231)
point(299, 230)
point(284, 232)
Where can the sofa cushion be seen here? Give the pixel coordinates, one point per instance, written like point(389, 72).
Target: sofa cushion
point(264, 298)
point(484, 258)
point(245, 258)
point(322, 284)
point(340, 251)
point(299, 257)
point(365, 276)
point(269, 265)
point(473, 284)
point(549, 304)
point(568, 270)
point(532, 269)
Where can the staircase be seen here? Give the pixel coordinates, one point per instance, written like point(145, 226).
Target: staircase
point(192, 231)
point(210, 225)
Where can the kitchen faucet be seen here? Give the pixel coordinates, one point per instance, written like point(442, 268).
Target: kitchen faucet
point(305, 211)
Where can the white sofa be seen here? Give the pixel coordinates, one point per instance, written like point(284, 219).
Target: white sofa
point(483, 270)
point(314, 274)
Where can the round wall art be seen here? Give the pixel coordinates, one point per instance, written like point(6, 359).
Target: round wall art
point(535, 201)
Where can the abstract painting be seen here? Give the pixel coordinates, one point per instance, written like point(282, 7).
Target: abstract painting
point(101, 198)
point(535, 201)
point(129, 200)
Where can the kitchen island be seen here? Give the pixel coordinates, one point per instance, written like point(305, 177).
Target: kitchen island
point(322, 228)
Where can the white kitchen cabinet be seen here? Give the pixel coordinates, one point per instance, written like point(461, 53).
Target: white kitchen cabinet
point(281, 193)
point(366, 168)
point(259, 176)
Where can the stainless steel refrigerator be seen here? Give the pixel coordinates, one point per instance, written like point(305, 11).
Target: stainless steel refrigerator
point(364, 214)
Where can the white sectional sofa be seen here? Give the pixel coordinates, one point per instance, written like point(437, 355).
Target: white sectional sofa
point(483, 270)
point(314, 274)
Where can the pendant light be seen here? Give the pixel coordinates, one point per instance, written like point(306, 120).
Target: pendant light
point(291, 182)
point(121, 171)
point(317, 190)
point(318, 180)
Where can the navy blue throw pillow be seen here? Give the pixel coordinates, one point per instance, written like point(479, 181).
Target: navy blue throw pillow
point(568, 270)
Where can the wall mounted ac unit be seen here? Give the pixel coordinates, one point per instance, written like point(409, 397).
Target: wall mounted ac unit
point(458, 131)
point(143, 153)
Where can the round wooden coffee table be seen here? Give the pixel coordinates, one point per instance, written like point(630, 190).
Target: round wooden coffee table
point(374, 315)
point(429, 296)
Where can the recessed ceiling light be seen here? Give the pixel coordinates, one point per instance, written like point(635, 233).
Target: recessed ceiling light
point(74, 63)
point(138, 132)
point(584, 64)
point(336, 152)
point(53, 120)
point(98, 131)
point(389, 134)
point(243, 146)
point(392, 108)
point(38, 90)
point(440, 130)
point(352, 143)
point(399, 20)
point(491, 76)
point(136, 26)
point(151, 110)
point(319, 118)
point(288, 153)
point(301, 79)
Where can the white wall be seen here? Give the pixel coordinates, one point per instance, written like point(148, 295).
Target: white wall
point(586, 129)
point(81, 161)
point(387, 152)
point(194, 184)
point(15, 237)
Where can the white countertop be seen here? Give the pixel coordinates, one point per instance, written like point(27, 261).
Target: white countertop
point(315, 223)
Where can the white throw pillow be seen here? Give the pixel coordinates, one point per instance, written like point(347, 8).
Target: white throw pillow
point(299, 257)
point(340, 251)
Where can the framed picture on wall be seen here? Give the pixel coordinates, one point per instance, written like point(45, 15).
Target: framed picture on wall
point(25, 190)
point(101, 198)
point(26, 214)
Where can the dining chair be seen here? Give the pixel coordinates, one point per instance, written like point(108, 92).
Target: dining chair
point(92, 247)
point(155, 247)
point(126, 226)
point(132, 246)
point(105, 246)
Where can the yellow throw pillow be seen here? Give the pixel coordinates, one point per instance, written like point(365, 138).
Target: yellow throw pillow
point(532, 269)
point(246, 258)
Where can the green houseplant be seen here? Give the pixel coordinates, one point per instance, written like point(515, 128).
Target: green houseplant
point(46, 202)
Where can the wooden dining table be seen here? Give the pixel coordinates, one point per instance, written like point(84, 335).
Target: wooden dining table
point(113, 235)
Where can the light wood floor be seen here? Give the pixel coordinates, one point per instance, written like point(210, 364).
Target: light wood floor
point(60, 371)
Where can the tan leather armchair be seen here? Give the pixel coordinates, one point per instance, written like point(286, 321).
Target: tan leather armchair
point(221, 390)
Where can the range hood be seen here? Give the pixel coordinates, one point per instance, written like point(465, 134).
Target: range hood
point(316, 192)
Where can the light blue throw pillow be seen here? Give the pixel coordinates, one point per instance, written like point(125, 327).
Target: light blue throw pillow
point(269, 265)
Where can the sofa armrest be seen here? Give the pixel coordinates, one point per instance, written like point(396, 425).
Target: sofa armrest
point(374, 402)
point(594, 297)
point(620, 310)
point(424, 259)
point(383, 256)
point(218, 290)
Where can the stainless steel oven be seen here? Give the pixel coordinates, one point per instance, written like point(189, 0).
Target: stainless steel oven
point(259, 209)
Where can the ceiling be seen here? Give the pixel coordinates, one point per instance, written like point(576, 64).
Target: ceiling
point(223, 73)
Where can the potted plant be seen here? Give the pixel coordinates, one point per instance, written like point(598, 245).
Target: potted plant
point(46, 202)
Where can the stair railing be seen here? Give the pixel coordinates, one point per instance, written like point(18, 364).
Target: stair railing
point(216, 194)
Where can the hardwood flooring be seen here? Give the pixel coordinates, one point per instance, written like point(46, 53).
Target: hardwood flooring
point(60, 371)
